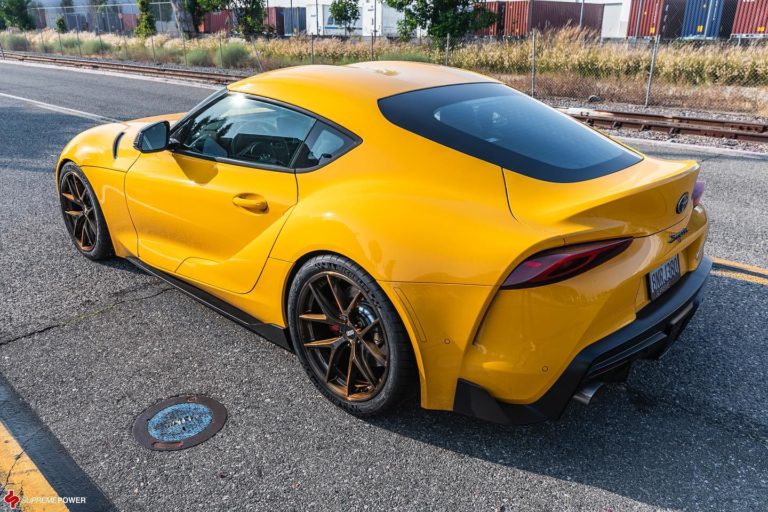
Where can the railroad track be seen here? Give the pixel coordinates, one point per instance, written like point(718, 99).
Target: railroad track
point(673, 125)
point(745, 131)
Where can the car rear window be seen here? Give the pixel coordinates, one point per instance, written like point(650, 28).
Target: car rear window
point(497, 124)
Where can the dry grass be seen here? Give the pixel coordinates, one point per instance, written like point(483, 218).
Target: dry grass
point(570, 63)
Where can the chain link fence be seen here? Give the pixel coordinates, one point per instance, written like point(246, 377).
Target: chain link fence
point(690, 54)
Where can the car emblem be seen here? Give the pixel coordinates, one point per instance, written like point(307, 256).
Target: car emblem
point(674, 237)
point(682, 203)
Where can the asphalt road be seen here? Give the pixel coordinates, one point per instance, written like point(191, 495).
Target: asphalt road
point(89, 346)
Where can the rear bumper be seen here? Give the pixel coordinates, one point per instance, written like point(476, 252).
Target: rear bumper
point(656, 328)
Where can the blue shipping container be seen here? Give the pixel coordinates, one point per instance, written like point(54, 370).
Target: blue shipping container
point(708, 19)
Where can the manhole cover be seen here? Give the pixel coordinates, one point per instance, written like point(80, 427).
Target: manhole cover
point(179, 422)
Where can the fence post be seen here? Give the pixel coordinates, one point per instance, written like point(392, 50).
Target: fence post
point(221, 53)
point(650, 73)
point(373, 37)
point(312, 48)
point(447, 47)
point(26, 42)
point(2, 52)
point(256, 54)
point(184, 48)
point(533, 63)
point(125, 46)
point(152, 42)
point(42, 42)
point(101, 43)
point(61, 46)
point(79, 49)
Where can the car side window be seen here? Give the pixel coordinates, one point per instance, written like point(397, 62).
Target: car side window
point(242, 128)
point(324, 143)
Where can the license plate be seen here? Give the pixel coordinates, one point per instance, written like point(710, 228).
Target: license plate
point(662, 278)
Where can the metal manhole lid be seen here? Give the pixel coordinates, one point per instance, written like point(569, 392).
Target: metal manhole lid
point(179, 422)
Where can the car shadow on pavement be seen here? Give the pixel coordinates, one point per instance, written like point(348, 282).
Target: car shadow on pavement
point(682, 432)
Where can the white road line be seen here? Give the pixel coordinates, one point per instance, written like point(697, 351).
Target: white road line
point(119, 74)
point(63, 110)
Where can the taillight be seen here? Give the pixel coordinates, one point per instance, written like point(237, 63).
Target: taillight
point(698, 191)
point(562, 263)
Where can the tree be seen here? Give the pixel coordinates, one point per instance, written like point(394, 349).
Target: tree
point(249, 13)
point(345, 13)
point(16, 14)
point(61, 25)
point(146, 26)
point(442, 17)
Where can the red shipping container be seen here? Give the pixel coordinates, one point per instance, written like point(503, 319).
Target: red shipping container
point(516, 18)
point(129, 21)
point(549, 15)
point(664, 17)
point(751, 19)
point(497, 28)
point(274, 18)
point(219, 21)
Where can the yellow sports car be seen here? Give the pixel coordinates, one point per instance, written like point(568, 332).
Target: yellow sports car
point(404, 227)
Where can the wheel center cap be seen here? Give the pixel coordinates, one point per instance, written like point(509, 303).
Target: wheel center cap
point(349, 333)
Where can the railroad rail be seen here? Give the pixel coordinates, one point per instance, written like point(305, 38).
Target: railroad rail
point(672, 125)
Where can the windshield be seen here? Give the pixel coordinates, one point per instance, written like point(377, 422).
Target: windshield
point(497, 124)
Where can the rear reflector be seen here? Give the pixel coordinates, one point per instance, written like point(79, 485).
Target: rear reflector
point(698, 191)
point(564, 262)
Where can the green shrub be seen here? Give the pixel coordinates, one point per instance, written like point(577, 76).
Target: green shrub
point(69, 43)
point(95, 47)
point(234, 55)
point(199, 57)
point(16, 42)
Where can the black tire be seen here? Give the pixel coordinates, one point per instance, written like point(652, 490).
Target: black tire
point(371, 386)
point(82, 214)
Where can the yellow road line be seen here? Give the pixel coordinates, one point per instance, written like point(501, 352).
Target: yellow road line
point(741, 277)
point(742, 266)
point(19, 474)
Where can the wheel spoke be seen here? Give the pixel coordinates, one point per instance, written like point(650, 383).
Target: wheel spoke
point(350, 367)
point(372, 349)
point(73, 213)
point(353, 302)
point(335, 295)
point(69, 197)
point(331, 363)
point(365, 370)
point(324, 306)
point(330, 342)
point(368, 327)
point(316, 317)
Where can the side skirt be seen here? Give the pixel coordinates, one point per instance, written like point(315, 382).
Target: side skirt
point(271, 332)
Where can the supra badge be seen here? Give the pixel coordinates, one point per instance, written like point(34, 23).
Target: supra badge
point(674, 237)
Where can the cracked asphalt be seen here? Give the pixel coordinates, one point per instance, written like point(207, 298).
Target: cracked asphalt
point(89, 346)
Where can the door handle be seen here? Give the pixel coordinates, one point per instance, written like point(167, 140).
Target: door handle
point(252, 202)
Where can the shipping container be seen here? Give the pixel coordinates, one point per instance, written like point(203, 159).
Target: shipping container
point(751, 19)
point(496, 29)
point(649, 18)
point(128, 21)
point(273, 20)
point(516, 18)
point(708, 19)
point(294, 20)
point(218, 21)
point(545, 15)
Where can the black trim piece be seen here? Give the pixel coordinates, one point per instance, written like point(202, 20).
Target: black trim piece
point(116, 144)
point(271, 332)
point(656, 328)
point(46, 451)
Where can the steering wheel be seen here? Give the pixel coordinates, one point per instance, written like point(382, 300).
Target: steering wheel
point(260, 151)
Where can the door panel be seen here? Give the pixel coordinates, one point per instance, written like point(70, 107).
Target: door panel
point(209, 221)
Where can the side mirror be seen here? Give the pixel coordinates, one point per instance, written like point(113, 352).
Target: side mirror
point(153, 138)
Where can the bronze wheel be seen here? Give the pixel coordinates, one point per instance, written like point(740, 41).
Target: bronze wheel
point(341, 332)
point(79, 212)
point(349, 337)
point(82, 214)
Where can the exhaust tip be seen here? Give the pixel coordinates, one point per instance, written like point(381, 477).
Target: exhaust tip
point(585, 394)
